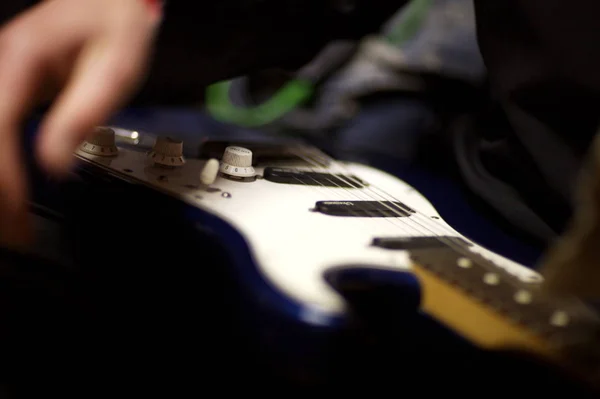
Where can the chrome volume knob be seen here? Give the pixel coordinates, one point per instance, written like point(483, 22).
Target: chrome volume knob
point(101, 143)
point(237, 164)
point(167, 152)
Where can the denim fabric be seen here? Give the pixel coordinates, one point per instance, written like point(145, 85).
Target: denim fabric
point(444, 44)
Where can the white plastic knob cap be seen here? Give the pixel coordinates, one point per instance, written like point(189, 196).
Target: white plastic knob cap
point(167, 152)
point(101, 143)
point(238, 156)
point(237, 164)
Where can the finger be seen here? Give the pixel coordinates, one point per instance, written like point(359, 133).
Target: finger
point(106, 73)
point(15, 230)
point(20, 72)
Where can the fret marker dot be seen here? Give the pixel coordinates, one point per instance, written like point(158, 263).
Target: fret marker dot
point(491, 279)
point(523, 297)
point(464, 263)
point(559, 318)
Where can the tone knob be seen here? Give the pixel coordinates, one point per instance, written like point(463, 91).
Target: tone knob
point(101, 143)
point(167, 152)
point(237, 164)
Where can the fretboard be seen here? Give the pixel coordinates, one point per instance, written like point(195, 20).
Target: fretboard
point(565, 325)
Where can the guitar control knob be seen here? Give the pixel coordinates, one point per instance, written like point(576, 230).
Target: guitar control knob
point(237, 164)
point(101, 143)
point(209, 172)
point(167, 152)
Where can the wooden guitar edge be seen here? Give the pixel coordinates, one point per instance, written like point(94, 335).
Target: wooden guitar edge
point(475, 321)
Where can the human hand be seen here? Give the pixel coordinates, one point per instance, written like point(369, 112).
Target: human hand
point(89, 56)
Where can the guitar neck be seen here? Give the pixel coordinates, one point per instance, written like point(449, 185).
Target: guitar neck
point(496, 311)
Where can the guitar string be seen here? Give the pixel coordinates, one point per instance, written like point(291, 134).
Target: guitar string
point(396, 210)
point(357, 217)
point(397, 204)
point(386, 198)
point(357, 220)
point(401, 214)
point(432, 225)
point(400, 211)
point(338, 194)
point(354, 193)
point(319, 187)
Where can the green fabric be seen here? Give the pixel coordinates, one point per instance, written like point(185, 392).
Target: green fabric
point(285, 100)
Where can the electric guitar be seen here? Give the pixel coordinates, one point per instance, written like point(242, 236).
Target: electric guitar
point(293, 220)
point(299, 231)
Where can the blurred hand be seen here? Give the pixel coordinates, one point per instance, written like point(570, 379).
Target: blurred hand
point(89, 56)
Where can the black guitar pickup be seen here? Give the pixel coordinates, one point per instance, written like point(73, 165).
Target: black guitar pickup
point(412, 243)
point(365, 209)
point(309, 178)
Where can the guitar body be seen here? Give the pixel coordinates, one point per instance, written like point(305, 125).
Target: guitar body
point(261, 272)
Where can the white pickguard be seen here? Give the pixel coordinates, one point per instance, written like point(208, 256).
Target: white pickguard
point(292, 246)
